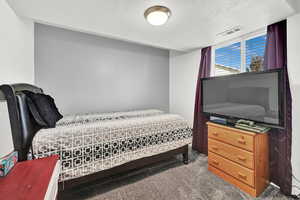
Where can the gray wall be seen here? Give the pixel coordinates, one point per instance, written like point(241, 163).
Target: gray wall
point(87, 73)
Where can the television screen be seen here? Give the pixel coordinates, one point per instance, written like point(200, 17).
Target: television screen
point(252, 96)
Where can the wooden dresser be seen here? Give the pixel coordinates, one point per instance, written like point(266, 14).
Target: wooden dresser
point(239, 157)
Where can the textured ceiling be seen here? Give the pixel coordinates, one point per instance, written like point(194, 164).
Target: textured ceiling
point(194, 23)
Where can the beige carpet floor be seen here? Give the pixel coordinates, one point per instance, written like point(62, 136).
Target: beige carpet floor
point(169, 180)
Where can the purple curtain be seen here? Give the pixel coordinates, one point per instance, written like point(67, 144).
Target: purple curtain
point(280, 139)
point(199, 128)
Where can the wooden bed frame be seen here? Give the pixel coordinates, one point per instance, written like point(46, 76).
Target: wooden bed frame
point(23, 129)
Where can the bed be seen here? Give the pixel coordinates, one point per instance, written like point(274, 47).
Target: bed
point(97, 145)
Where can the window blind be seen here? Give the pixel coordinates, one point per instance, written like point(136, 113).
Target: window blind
point(255, 50)
point(228, 59)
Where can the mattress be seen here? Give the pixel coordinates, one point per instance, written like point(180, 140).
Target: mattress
point(94, 145)
point(94, 117)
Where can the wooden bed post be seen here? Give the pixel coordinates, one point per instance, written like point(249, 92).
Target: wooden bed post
point(8, 93)
point(185, 155)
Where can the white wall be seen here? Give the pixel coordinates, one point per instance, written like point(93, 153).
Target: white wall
point(88, 73)
point(293, 53)
point(16, 47)
point(6, 143)
point(16, 62)
point(184, 68)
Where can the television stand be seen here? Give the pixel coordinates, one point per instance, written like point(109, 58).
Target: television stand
point(239, 157)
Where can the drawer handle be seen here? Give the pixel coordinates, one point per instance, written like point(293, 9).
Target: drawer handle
point(215, 162)
point(215, 133)
point(241, 158)
point(241, 141)
point(215, 148)
point(243, 176)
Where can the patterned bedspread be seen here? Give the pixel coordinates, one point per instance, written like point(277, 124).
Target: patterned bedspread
point(93, 117)
point(88, 146)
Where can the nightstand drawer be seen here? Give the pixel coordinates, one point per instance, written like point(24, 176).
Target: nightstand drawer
point(235, 154)
point(241, 173)
point(237, 139)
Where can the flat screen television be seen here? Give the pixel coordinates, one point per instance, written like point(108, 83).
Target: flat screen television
point(255, 96)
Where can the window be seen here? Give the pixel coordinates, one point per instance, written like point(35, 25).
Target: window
point(228, 59)
point(255, 51)
point(243, 55)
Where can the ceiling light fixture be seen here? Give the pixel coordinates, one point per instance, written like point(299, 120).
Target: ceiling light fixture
point(157, 15)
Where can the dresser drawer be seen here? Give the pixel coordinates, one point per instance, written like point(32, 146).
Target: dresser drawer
point(235, 154)
point(241, 173)
point(237, 139)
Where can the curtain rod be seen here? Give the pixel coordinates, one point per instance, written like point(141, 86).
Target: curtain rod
point(261, 30)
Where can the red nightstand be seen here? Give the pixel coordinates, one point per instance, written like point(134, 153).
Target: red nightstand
point(34, 179)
